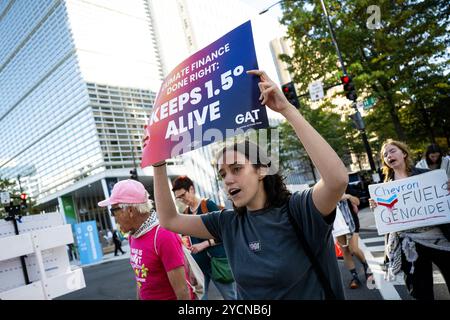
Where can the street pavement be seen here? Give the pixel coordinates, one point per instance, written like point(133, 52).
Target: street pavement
point(113, 278)
point(372, 245)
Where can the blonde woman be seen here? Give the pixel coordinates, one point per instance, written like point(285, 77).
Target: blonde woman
point(413, 251)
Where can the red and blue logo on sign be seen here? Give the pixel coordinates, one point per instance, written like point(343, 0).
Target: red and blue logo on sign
point(390, 203)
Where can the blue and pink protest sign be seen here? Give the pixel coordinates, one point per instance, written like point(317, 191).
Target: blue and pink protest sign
point(206, 98)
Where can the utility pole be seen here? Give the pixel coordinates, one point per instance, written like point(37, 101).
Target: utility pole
point(133, 172)
point(360, 126)
point(20, 185)
point(14, 215)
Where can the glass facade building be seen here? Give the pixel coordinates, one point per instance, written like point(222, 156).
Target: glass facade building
point(45, 119)
point(77, 83)
point(78, 79)
point(194, 24)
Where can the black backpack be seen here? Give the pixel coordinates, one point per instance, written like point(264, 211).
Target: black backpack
point(324, 281)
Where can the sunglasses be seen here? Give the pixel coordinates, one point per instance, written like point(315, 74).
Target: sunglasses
point(112, 210)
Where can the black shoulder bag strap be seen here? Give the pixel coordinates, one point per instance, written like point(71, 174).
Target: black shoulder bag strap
point(329, 294)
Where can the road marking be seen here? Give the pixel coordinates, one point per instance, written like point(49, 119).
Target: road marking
point(386, 288)
point(438, 278)
point(376, 248)
point(375, 239)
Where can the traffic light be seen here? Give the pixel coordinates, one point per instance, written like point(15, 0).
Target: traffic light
point(349, 87)
point(290, 94)
point(133, 174)
point(23, 201)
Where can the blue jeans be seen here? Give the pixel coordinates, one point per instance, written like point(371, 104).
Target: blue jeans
point(227, 290)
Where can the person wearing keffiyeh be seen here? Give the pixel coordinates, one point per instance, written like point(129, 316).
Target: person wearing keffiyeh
point(413, 251)
point(156, 254)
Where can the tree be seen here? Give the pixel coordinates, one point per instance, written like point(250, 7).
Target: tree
point(403, 64)
point(327, 123)
point(11, 187)
point(7, 186)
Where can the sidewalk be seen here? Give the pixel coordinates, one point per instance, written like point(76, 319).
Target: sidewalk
point(106, 257)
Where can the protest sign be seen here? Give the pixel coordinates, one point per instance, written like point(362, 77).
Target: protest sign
point(417, 201)
point(206, 98)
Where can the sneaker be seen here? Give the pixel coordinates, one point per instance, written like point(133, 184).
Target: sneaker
point(370, 282)
point(355, 283)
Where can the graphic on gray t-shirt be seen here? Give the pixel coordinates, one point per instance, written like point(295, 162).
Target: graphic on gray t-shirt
point(265, 255)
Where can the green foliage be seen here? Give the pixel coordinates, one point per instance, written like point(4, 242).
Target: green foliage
point(7, 186)
point(327, 123)
point(404, 64)
point(11, 187)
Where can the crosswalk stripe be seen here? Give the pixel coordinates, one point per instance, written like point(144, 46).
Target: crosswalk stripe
point(375, 263)
point(438, 278)
point(376, 248)
point(387, 289)
point(375, 239)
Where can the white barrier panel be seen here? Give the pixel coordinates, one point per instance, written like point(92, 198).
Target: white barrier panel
point(32, 291)
point(44, 243)
point(14, 246)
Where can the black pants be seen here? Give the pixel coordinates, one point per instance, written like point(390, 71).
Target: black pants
point(117, 247)
point(420, 283)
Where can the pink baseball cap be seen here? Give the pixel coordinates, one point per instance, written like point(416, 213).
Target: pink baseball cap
point(126, 191)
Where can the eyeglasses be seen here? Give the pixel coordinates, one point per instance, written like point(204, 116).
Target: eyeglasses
point(181, 196)
point(112, 210)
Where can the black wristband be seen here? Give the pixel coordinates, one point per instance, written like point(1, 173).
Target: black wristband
point(160, 165)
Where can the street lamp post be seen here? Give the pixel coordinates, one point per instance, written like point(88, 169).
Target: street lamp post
point(20, 184)
point(333, 37)
point(134, 170)
point(361, 127)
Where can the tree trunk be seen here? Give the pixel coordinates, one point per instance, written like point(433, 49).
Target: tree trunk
point(397, 125)
point(427, 123)
point(395, 119)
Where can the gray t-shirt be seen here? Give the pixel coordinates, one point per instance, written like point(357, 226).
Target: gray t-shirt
point(265, 255)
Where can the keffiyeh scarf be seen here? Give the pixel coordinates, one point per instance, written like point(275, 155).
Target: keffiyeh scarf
point(405, 242)
point(148, 225)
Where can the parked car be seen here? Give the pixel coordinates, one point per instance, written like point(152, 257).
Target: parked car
point(358, 186)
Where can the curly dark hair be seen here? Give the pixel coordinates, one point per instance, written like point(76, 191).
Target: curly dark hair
point(182, 182)
point(276, 190)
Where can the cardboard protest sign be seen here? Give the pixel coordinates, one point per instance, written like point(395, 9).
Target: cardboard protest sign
point(417, 201)
point(206, 98)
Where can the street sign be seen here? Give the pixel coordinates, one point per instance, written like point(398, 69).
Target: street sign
point(5, 198)
point(316, 91)
point(360, 107)
point(369, 102)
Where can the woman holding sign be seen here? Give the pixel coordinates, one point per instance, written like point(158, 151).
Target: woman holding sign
point(278, 244)
point(413, 251)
